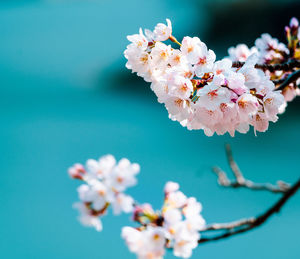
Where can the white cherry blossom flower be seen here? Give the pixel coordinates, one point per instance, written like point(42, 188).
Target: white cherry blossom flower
point(139, 62)
point(260, 122)
point(236, 82)
point(138, 41)
point(221, 69)
point(266, 43)
point(172, 216)
point(178, 108)
point(185, 242)
point(160, 54)
point(208, 118)
point(171, 187)
point(161, 89)
point(123, 203)
point(94, 194)
point(163, 32)
point(211, 96)
point(197, 54)
point(206, 59)
point(270, 48)
point(102, 167)
point(133, 238)
point(192, 208)
point(177, 58)
point(248, 104)
point(189, 48)
point(86, 218)
point(148, 243)
point(123, 175)
point(176, 199)
point(104, 184)
point(241, 52)
point(180, 87)
point(272, 103)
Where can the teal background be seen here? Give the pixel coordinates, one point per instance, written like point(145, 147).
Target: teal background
point(66, 96)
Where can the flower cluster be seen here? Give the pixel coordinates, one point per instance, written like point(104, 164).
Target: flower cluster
point(175, 226)
point(270, 51)
point(105, 181)
point(216, 96)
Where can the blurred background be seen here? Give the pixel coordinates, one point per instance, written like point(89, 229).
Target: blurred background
point(66, 96)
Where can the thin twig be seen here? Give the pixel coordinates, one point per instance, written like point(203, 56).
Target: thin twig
point(229, 225)
point(287, 66)
point(233, 165)
point(290, 79)
point(245, 225)
point(241, 182)
point(223, 180)
point(279, 81)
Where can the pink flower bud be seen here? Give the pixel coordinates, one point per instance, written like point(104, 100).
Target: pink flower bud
point(76, 171)
point(294, 23)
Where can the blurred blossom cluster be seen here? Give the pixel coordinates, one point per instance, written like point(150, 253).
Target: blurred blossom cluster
point(216, 96)
point(105, 181)
point(175, 226)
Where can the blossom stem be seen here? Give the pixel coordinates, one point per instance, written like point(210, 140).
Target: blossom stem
point(173, 39)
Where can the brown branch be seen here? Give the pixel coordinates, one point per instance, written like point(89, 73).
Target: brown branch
point(287, 66)
point(223, 180)
point(233, 165)
point(230, 225)
point(290, 79)
point(241, 182)
point(279, 81)
point(245, 225)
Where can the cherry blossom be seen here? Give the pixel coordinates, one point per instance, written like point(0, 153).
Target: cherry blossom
point(176, 226)
point(270, 48)
point(201, 92)
point(241, 52)
point(86, 218)
point(105, 180)
point(162, 32)
point(148, 243)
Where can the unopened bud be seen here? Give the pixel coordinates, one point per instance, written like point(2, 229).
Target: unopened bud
point(294, 23)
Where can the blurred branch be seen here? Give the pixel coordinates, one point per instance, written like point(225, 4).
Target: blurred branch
point(290, 79)
point(243, 225)
point(241, 182)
